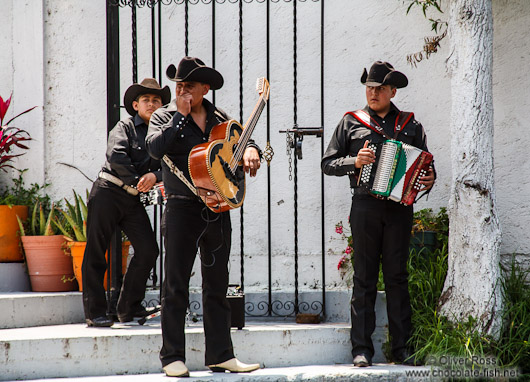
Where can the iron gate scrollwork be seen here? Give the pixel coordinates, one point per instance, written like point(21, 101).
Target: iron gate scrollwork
point(272, 307)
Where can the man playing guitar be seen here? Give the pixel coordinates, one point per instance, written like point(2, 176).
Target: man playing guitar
point(174, 130)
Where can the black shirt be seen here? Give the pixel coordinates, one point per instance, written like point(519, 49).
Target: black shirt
point(350, 135)
point(172, 134)
point(127, 157)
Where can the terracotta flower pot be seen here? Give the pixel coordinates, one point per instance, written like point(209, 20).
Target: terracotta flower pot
point(49, 263)
point(10, 250)
point(77, 249)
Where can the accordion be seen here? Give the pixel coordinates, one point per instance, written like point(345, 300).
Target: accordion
point(155, 196)
point(396, 172)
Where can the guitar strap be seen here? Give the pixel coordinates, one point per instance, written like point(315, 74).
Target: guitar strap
point(179, 174)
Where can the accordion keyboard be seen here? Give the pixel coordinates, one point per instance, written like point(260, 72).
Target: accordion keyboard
point(366, 170)
point(385, 169)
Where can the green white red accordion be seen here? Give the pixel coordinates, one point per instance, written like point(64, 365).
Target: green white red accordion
point(396, 172)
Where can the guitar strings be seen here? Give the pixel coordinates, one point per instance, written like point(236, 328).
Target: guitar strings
point(245, 136)
point(247, 132)
point(264, 96)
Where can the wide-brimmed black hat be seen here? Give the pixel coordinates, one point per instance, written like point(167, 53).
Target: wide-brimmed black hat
point(382, 73)
point(193, 69)
point(147, 86)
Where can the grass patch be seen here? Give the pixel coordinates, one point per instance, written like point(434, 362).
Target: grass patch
point(435, 336)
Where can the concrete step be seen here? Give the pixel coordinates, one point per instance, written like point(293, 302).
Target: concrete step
point(77, 351)
point(313, 373)
point(26, 309)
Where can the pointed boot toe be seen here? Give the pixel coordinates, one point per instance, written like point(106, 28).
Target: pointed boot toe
point(176, 369)
point(234, 366)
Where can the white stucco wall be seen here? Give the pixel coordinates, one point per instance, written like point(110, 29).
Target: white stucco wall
point(6, 58)
point(72, 89)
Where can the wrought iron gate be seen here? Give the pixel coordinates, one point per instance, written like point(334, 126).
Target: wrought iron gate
point(120, 8)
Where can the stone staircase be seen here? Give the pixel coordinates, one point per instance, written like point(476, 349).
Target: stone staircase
point(43, 335)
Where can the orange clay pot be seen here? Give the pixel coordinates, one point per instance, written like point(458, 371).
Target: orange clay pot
point(10, 249)
point(49, 264)
point(77, 249)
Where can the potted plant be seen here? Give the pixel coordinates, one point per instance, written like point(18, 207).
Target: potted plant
point(429, 229)
point(49, 264)
point(10, 138)
point(75, 216)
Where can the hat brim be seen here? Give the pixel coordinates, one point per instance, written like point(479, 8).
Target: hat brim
point(202, 74)
point(136, 90)
point(394, 78)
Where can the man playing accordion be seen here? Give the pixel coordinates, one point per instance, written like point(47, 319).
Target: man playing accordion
point(380, 227)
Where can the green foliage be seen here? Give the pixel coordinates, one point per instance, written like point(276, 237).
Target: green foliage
point(427, 220)
point(425, 5)
point(431, 44)
point(513, 347)
point(40, 223)
point(75, 215)
point(434, 335)
point(19, 195)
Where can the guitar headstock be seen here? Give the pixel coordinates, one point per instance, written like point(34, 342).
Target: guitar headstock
point(263, 88)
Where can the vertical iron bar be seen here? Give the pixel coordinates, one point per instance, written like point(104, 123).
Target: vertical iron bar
point(155, 220)
point(213, 44)
point(162, 252)
point(160, 43)
point(113, 116)
point(153, 42)
point(160, 82)
point(241, 212)
point(134, 45)
point(295, 117)
point(269, 201)
point(186, 26)
point(321, 155)
point(113, 67)
point(155, 228)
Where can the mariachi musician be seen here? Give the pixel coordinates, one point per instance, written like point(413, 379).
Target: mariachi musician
point(189, 225)
point(380, 227)
point(114, 203)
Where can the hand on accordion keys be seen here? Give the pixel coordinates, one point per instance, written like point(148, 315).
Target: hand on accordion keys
point(146, 182)
point(364, 156)
point(155, 196)
point(428, 180)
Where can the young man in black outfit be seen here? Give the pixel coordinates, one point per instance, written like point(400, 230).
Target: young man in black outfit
point(189, 225)
point(380, 227)
point(114, 204)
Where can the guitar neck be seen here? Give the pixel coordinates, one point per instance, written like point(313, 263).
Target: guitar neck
point(249, 126)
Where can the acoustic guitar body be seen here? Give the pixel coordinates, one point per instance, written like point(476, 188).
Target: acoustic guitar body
point(210, 168)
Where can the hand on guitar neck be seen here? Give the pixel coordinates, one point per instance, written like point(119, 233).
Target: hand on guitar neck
point(251, 161)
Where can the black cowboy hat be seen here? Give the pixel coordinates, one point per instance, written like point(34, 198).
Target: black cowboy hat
point(147, 86)
point(382, 73)
point(193, 69)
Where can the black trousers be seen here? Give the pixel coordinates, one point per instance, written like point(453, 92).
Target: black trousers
point(381, 234)
point(189, 225)
point(110, 208)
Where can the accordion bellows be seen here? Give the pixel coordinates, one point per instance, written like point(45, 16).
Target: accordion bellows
point(396, 172)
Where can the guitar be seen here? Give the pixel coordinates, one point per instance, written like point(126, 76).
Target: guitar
point(215, 166)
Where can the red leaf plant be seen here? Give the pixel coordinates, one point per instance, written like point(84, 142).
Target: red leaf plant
point(10, 136)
